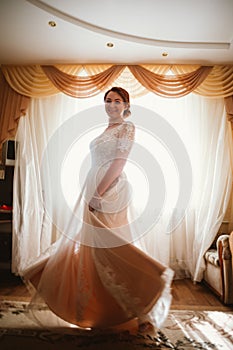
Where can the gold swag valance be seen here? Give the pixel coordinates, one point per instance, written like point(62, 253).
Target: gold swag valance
point(38, 81)
point(83, 81)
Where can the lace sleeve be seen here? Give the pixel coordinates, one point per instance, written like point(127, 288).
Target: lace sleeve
point(126, 137)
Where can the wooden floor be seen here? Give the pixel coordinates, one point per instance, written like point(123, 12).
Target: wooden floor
point(186, 295)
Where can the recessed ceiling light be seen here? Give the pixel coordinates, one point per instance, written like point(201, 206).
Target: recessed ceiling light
point(110, 44)
point(52, 24)
point(164, 54)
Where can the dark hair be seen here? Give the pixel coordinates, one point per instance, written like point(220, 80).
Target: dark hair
point(124, 95)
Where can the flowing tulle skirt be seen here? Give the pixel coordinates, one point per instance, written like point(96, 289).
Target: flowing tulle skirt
point(99, 279)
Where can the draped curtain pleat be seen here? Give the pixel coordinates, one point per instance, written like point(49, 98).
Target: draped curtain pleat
point(170, 86)
point(18, 83)
point(229, 108)
point(13, 106)
point(82, 87)
point(164, 80)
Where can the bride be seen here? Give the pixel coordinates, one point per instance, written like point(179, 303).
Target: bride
point(99, 278)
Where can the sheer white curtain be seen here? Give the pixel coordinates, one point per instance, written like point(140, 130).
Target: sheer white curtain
point(201, 125)
point(33, 231)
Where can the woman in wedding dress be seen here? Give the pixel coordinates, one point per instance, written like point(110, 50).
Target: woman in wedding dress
point(99, 278)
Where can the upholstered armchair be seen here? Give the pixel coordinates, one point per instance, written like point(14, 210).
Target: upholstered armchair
point(218, 274)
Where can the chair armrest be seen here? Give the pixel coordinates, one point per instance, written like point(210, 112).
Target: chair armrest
point(231, 242)
point(225, 262)
point(223, 247)
point(231, 247)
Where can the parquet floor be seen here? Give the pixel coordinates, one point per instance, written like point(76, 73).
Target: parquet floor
point(186, 295)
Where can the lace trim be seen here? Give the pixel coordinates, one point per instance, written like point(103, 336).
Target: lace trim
point(120, 292)
point(104, 147)
point(160, 310)
point(126, 137)
point(127, 130)
point(124, 144)
point(123, 131)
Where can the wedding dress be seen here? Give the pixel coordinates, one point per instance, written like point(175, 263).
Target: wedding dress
point(99, 278)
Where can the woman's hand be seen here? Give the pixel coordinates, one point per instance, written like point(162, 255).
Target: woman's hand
point(95, 203)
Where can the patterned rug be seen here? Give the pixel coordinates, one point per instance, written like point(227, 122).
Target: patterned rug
point(183, 330)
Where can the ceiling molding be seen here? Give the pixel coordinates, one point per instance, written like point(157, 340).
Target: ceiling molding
point(128, 37)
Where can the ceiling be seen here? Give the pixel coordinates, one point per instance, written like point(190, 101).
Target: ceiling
point(141, 31)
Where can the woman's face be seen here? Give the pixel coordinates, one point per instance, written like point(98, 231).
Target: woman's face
point(114, 106)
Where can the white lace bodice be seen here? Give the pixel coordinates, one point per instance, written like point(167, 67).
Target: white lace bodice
point(112, 143)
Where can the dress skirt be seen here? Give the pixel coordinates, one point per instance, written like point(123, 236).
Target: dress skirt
point(105, 280)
